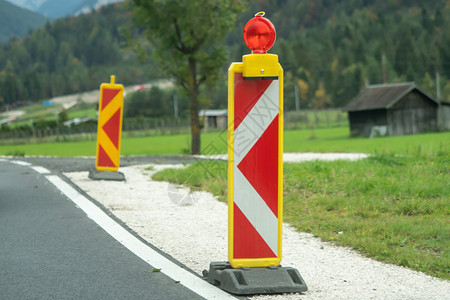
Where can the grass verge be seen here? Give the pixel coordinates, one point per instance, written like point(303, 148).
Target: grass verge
point(391, 208)
point(319, 140)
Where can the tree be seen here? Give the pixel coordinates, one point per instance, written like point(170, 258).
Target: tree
point(63, 116)
point(303, 89)
point(186, 37)
point(155, 103)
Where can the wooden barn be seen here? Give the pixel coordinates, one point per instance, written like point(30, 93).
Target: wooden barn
point(392, 109)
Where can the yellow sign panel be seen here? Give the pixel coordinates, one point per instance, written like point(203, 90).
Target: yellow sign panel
point(255, 161)
point(109, 130)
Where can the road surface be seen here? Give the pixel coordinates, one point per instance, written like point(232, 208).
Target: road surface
point(50, 249)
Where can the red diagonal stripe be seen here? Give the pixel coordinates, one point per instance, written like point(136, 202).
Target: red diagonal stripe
point(112, 128)
point(247, 241)
point(246, 94)
point(260, 166)
point(103, 158)
point(107, 96)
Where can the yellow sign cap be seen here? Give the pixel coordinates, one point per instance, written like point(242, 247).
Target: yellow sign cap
point(260, 65)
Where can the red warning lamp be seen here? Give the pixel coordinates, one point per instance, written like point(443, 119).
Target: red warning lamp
point(259, 34)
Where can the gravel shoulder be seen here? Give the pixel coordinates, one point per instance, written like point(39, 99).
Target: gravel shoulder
point(192, 228)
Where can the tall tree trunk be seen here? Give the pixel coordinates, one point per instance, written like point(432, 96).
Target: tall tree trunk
point(193, 101)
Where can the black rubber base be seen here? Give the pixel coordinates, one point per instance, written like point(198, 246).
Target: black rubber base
point(249, 281)
point(106, 175)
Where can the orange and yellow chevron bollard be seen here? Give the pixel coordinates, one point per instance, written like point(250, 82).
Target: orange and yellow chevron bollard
point(109, 130)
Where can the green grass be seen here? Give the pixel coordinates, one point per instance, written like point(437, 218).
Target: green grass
point(153, 145)
point(393, 208)
point(39, 111)
point(83, 113)
point(206, 175)
point(156, 145)
point(64, 149)
point(337, 140)
point(389, 207)
point(35, 112)
point(321, 140)
point(315, 118)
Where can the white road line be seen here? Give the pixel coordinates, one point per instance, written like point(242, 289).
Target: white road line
point(189, 280)
point(21, 163)
point(40, 170)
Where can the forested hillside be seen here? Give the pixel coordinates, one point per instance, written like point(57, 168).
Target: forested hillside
point(67, 56)
point(57, 9)
point(16, 21)
point(333, 48)
point(328, 49)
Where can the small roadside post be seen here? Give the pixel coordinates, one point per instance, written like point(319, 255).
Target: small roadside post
point(109, 132)
point(255, 172)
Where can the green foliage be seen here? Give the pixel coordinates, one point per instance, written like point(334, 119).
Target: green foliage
point(152, 103)
point(63, 116)
point(16, 153)
point(186, 35)
point(19, 131)
point(45, 124)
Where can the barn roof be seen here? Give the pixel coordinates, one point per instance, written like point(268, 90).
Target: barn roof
point(382, 96)
point(213, 113)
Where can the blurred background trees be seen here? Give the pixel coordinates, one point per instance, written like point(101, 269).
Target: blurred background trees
point(329, 50)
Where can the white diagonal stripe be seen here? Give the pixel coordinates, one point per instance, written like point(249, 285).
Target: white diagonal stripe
point(256, 210)
point(245, 196)
point(256, 122)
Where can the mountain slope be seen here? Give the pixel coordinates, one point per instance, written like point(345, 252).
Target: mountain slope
point(32, 5)
point(16, 21)
point(58, 9)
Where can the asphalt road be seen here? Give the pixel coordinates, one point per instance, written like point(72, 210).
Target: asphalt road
point(50, 249)
point(78, 164)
